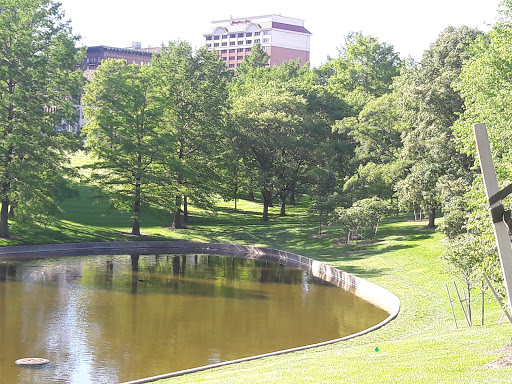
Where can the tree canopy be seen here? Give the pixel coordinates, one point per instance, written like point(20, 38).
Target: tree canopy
point(38, 80)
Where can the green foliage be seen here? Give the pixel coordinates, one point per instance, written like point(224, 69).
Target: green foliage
point(364, 69)
point(485, 84)
point(430, 106)
point(125, 132)
point(376, 133)
point(194, 90)
point(469, 256)
point(257, 59)
point(38, 78)
point(364, 214)
point(280, 129)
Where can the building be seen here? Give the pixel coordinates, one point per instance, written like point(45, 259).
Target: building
point(283, 38)
point(133, 55)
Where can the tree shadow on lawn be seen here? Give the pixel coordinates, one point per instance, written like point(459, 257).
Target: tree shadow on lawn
point(89, 208)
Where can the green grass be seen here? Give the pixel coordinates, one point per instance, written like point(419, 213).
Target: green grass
point(420, 346)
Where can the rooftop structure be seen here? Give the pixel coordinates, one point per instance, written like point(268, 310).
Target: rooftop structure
point(283, 38)
point(132, 55)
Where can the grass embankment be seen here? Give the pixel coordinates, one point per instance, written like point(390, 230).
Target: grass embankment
point(421, 345)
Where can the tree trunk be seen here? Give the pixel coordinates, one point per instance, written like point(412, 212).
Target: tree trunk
point(292, 198)
point(4, 218)
point(267, 200)
point(250, 196)
point(177, 223)
point(283, 205)
point(236, 194)
point(432, 218)
point(185, 209)
point(136, 211)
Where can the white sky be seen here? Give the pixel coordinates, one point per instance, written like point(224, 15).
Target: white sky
point(410, 26)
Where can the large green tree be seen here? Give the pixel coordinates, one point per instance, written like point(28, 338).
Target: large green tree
point(485, 84)
point(195, 94)
point(37, 81)
point(376, 134)
point(268, 120)
point(126, 133)
point(431, 105)
point(364, 69)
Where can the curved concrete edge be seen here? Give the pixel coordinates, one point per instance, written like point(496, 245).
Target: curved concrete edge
point(364, 289)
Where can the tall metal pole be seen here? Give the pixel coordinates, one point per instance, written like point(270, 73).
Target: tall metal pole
point(491, 190)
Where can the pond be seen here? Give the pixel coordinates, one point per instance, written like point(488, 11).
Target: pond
point(108, 319)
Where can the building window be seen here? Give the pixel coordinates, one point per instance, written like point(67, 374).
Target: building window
point(256, 41)
point(224, 58)
point(256, 33)
point(238, 65)
point(224, 51)
point(208, 38)
point(231, 65)
point(265, 48)
point(248, 42)
point(240, 35)
point(239, 57)
point(248, 34)
point(209, 45)
point(232, 50)
point(240, 43)
point(224, 44)
point(231, 43)
point(240, 50)
point(216, 37)
point(247, 49)
point(266, 32)
point(231, 57)
point(265, 40)
point(224, 36)
point(233, 35)
point(216, 44)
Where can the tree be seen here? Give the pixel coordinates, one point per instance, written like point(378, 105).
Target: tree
point(268, 120)
point(37, 81)
point(257, 59)
point(376, 134)
point(125, 132)
point(324, 197)
point(364, 69)
point(431, 105)
point(195, 95)
point(485, 84)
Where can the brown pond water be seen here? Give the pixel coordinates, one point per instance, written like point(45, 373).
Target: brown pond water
point(108, 319)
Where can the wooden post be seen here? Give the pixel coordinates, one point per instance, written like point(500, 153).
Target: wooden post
point(451, 306)
point(491, 188)
point(496, 296)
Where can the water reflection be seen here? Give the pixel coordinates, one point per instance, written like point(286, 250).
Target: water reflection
point(116, 318)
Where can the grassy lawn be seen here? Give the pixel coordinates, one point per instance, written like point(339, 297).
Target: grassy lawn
point(421, 345)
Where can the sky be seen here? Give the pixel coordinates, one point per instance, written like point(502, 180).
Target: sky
point(410, 26)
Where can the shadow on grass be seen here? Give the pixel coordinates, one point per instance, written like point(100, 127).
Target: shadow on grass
point(88, 208)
